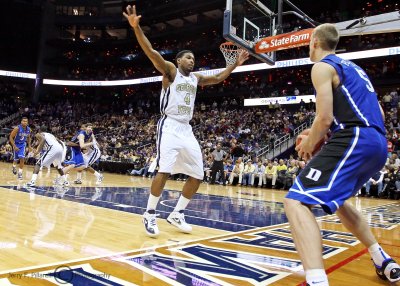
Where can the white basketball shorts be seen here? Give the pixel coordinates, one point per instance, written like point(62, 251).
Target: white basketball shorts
point(178, 151)
point(91, 157)
point(54, 154)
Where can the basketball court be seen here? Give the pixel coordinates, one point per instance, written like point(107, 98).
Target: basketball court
point(93, 234)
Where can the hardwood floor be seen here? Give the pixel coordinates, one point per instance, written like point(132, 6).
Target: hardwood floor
point(92, 235)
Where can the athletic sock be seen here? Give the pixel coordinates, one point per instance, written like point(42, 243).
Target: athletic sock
point(378, 254)
point(182, 204)
point(317, 277)
point(152, 202)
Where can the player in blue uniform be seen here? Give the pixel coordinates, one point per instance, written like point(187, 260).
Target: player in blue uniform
point(346, 104)
point(19, 137)
point(80, 141)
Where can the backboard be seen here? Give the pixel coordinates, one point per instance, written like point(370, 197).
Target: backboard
point(247, 21)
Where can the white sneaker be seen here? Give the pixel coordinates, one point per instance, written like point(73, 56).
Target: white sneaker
point(178, 219)
point(99, 179)
point(150, 224)
point(31, 184)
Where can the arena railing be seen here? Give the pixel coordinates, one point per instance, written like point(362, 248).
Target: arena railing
point(285, 142)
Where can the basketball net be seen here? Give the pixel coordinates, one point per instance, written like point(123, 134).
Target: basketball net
point(230, 52)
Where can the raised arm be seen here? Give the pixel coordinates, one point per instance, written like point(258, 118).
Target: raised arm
point(168, 69)
point(214, 79)
point(13, 134)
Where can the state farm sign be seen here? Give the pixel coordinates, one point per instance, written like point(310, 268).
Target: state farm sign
point(284, 41)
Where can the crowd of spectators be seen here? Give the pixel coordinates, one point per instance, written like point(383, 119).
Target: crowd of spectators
point(129, 134)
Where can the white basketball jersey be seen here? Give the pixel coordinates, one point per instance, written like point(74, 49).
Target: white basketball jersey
point(50, 139)
point(177, 101)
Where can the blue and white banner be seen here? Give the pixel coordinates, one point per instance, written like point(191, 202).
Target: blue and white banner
point(254, 67)
point(292, 99)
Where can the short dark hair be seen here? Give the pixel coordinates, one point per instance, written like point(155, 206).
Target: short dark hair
point(182, 53)
point(24, 118)
point(41, 129)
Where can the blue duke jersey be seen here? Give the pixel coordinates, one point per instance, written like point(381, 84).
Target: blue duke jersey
point(76, 152)
point(22, 135)
point(355, 102)
point(177, 101)
point(75, 139)
point(357, 148)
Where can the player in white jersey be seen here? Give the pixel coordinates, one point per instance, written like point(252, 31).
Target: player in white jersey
point(54, 152)
point(177, 149)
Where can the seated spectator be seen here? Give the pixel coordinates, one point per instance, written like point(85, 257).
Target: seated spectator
point(248, 173)
point(271, 174)
point(228, 168)
point(259, 173)
point(281, 169)
point(290, 175)
point(207, 168)
point(375, 180)
point(236, 172)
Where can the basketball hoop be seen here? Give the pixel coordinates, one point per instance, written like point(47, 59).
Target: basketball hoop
point(230, 52)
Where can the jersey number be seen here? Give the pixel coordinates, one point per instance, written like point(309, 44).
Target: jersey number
point(363, 75)
point(187, 98)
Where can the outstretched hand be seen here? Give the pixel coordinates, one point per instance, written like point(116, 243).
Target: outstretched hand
point(131, 16)
point(242, 57)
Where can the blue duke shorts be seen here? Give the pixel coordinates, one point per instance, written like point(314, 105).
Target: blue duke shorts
point(348, 160)
point(76, 158)
point(20, 154)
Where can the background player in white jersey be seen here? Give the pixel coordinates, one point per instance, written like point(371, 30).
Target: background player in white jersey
point(53, 153)
point(177, 149)
point(89, 158)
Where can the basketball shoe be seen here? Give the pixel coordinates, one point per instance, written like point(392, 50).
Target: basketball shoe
point(389, 270)
point(14, 170)
point(99, 179)
point(150, 224)
point(178, 219)
point(31, 184)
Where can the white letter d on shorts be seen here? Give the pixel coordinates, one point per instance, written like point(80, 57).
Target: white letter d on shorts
point(314, 174)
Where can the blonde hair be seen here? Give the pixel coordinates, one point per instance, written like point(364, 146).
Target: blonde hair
point(327, 35)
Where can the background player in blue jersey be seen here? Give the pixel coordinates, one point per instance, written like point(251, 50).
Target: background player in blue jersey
point(77, 143)
point(346, 104)
point(19, 137)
